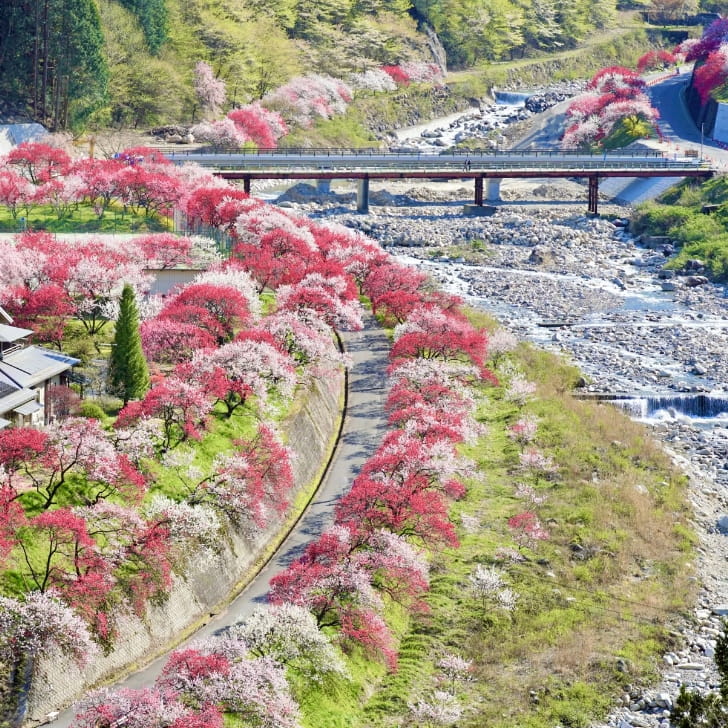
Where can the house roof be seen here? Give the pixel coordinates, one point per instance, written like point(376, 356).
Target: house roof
point(5, 316)
point(34, 364)
point(9, 334)
point(16, 398)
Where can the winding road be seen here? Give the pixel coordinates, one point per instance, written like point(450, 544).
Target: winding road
point(363, 428)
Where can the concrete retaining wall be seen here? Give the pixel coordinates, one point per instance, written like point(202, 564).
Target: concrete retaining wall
point(207, 584)
point(720, 130)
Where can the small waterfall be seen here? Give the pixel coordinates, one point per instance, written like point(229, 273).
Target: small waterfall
point(511, 98)
point(635, 407)
point(436, 49)
point(699, 406)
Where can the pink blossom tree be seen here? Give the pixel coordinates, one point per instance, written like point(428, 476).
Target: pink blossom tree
point(210, 90)
point(181, 407)
point(15, 191)
point(241, 370)
point(149, 708)
point(167, 341)
point(164, 250)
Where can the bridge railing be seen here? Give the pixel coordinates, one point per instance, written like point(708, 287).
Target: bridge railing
point(432, 165)
point(404, 154)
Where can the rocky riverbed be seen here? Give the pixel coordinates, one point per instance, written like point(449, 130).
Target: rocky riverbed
point(587, 288)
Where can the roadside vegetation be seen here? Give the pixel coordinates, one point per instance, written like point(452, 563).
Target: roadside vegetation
point(695, 217)
point(589, 597)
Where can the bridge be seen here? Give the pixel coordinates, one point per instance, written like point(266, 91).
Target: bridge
point(485, 168)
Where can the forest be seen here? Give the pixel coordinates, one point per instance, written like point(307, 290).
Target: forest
point(78, 64)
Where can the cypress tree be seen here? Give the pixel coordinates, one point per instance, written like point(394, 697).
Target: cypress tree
point(128, 375)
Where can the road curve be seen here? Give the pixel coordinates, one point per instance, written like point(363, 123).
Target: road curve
point(363, 428)
point(676, 124)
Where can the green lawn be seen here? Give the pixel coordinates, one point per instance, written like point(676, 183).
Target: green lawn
point(81, 219)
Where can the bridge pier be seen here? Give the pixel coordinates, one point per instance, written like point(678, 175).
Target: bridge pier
point(593, 203)
point(323, 186)
point(479, 191)
point(362, 195)
point(246, 185)
point(492, 189)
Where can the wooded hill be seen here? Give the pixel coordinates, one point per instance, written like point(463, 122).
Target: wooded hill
point(75, 63)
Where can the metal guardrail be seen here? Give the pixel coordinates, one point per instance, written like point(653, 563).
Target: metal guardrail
point(375, 152)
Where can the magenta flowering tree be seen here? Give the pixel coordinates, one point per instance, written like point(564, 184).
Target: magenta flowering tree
point(523, 431)
point(164, 250)
point(655, 60)
point(181, 407)
point(166, 341)
point(225, 676)
point(16, 191)
point(527, 529)
point(74, 446)
point(259, 125)
point(713, 73)
point(615, 103)
point(714, 36)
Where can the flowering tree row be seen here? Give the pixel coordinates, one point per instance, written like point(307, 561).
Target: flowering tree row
point(139, 179)
point(299, 102)
point(614, 111)
point(398, 505)
point(710, 53)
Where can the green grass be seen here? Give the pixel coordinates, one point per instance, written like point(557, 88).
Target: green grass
point(679, 214)
point(587, 622)
point(81, 219)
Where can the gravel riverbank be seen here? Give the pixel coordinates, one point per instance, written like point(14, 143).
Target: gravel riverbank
point(585, 287)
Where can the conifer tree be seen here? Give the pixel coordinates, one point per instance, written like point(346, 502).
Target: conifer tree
point(128, 375)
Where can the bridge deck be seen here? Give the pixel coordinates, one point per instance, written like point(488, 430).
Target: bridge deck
point(363, 165)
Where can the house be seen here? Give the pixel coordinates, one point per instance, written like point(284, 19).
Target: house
point(26, 372)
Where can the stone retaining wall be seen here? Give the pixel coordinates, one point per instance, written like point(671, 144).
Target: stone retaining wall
point(207, 584)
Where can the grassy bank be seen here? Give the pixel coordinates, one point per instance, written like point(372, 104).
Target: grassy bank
point(694, 215)
point(594, 598)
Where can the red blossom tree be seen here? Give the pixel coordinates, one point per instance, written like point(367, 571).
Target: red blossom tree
point(39, 162)
point(45, 310)
point(220, 310)
point(655, 59)
point(261, 126)
point(181, 407)
point(167, 341)
point(204, 206)
point(58, 553)
point(164, 250)
point(711, 75)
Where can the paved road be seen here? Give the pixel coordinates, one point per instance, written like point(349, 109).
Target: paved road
point(677, 125)
point(364, 427)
